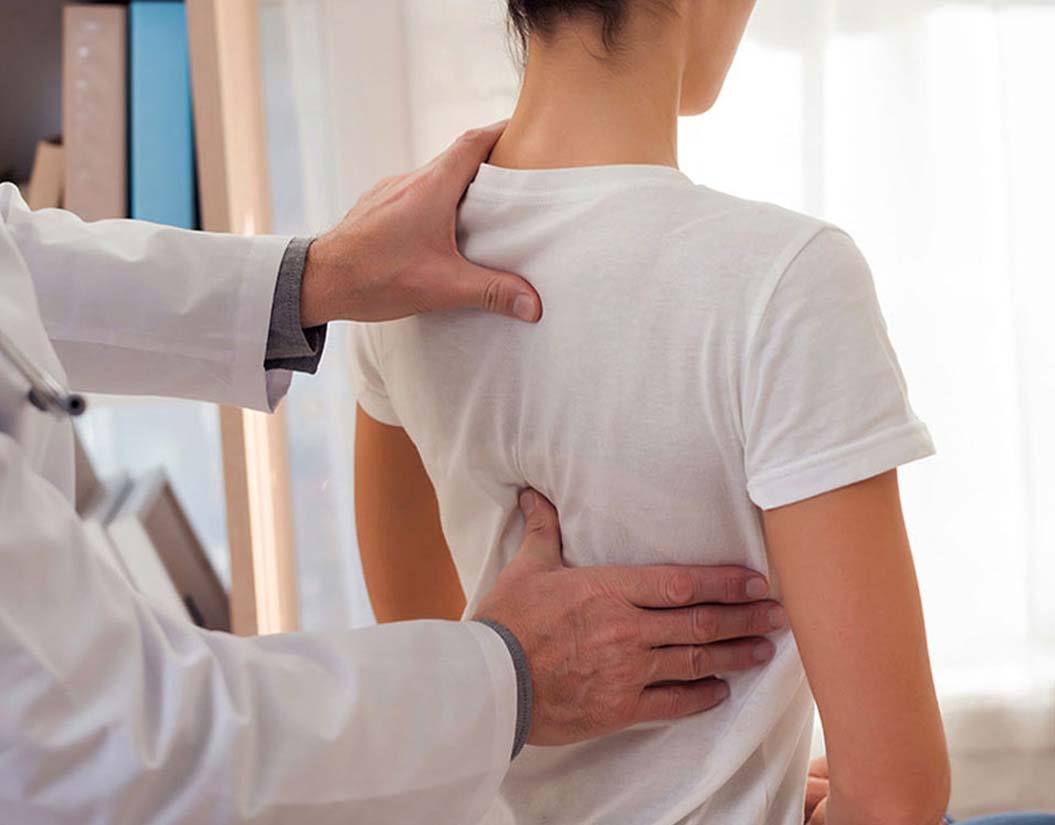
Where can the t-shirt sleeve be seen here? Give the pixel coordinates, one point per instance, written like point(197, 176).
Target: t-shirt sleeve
point(369, 382)
point(824, 402)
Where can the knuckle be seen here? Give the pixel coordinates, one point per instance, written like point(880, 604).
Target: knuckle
point(760, 621)
point(733, 588)
point(542, 528)
point(704, 624)
point(674, 704)
point(492, 296)
point(626, 674)
point(621, 633)
point(701, 663)
point(471, 135)
point(679, 587)
point(392, 187)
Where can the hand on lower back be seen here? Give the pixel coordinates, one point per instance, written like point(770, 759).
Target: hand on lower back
point(820, 814)
point(816, 787)
point(612, 647)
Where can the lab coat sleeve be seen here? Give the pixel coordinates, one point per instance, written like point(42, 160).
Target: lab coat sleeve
point(140, 309)
point(115, 712)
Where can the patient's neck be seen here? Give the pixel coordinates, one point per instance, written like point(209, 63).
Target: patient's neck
point(578, 110)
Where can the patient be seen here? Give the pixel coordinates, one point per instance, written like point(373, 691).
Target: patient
point(711, 383)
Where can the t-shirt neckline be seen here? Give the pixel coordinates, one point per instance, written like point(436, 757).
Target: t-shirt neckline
point(576, 180)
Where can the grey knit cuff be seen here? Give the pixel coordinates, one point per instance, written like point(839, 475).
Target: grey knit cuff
point(289, 345)
point(523, 674)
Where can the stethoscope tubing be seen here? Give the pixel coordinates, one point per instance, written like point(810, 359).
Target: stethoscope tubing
point(45, 393)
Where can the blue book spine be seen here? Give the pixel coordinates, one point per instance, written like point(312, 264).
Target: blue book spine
point(161, 126)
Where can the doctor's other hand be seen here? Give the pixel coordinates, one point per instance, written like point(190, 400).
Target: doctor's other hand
point(611, 647)
point(395, 253)
point(817, 788)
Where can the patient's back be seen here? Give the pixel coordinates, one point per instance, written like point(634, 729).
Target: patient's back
point(694, 363)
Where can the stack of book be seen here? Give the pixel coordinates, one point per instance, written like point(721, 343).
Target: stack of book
point(138, 525)
point(128, 134)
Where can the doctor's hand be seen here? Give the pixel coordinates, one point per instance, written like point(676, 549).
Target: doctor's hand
point(611, 647)
point(817, 791)
point(395, 252)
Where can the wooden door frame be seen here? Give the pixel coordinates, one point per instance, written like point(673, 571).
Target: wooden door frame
point(235, 196)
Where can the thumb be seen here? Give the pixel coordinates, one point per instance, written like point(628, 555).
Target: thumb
point(820, 814)
point(542, 540)
point(476, 287)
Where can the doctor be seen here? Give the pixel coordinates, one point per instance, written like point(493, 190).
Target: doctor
point(112, 711)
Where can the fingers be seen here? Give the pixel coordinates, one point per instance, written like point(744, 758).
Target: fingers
point(464, 157)
point(711, 623)
point(542, 542)
point(666, 702)
point(689, 663)
point(816, 792)
point(470, 286)
point(678, 586)
point(820, 814)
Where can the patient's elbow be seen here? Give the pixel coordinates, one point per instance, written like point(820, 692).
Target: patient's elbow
point(921, 799)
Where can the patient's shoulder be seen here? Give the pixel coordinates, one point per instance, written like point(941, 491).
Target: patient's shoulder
point(751, 241)
point(743, 222)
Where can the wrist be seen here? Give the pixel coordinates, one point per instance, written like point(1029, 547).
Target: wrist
point(317, 295)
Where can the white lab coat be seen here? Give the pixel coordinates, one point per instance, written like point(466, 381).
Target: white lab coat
point(112, 711)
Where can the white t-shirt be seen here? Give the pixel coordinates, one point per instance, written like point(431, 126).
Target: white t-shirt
point(701, 357)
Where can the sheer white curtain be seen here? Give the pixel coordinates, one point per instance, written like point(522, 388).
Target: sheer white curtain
point(925, 128)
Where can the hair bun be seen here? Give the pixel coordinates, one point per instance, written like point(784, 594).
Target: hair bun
point(527, 17)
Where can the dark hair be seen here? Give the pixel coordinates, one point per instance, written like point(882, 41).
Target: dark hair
point(528, 17)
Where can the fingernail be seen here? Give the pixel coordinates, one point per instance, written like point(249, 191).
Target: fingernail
point(524, 308)
point(722, 691)
point(757, 588)
point(527, 503)
point(777, 617)
point(763, 651)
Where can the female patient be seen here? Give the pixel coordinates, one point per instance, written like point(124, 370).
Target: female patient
point(711, 383)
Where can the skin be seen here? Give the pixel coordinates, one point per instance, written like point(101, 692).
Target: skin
point(407, 565)
point(849, 586)
point(622, 107)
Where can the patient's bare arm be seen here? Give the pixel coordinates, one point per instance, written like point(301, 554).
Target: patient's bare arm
point(850, 590)
point(407, 565)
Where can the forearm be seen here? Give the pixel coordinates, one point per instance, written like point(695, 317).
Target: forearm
point(407, 565)
point(185, 313)
point(850, 590)
point(401, 593)
point(404, 723)
point(842, 810)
